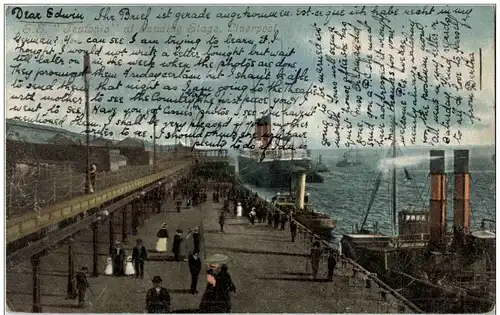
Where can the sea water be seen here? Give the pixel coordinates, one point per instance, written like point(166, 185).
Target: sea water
point(346, 191)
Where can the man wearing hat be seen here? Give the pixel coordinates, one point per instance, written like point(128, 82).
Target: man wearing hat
point(81, 286)
point(139, 255)
point(157, 298)
point(194, 263)
point(332, 262)
point(176, 248)
point(118, 259)
point(196, 239)
point(315, 257)
point(222, 219)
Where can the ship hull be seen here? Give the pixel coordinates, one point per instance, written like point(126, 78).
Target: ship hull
point(273, 174)
point(324, 226)
point(429, 298)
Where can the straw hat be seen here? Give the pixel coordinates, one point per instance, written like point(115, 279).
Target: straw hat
point(216, 259)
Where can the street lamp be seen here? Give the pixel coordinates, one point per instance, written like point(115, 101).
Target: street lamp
point(86, 70)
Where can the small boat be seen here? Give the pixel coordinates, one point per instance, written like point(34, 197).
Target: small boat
point(347, 161)
point(320, 166)
point(316, 221)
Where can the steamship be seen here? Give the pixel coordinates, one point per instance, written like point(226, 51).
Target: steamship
point(298, 206)
point(439, 272)
point(269, 168)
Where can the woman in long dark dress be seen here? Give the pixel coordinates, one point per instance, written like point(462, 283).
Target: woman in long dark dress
point(208, 303)
point(216, 298)
point(224, 286)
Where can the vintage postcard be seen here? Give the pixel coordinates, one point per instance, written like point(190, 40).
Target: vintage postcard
point(288, 158)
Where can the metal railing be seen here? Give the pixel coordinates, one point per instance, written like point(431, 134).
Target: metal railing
point(33, 194)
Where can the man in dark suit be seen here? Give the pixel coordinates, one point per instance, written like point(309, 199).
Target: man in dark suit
point(139, 255)
point(158, 299)
point(176, 248)
point(118, 259)
point(194, 262)
point(196, 240)
point(293, 229)
point(81, 285)
point(332, 262)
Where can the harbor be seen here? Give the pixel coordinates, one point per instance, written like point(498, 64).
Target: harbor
point(283, 171)
point(270, 274)
point(74, 229)
point(422, 259)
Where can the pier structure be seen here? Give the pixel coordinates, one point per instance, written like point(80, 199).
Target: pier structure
point(35, 232)
point(270, 272)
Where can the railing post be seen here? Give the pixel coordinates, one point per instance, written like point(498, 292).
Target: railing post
point(71, 289)
point(135, 217)
point(95, 243)
point(35, 267)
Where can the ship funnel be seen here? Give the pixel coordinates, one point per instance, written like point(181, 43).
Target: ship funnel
point(461, 213)
point(437, 213)
point(264, 129)
point(301, 190)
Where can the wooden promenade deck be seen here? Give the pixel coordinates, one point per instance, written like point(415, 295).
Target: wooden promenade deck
point(269, 272)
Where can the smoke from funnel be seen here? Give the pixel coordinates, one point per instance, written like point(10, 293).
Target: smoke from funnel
point(402, 161)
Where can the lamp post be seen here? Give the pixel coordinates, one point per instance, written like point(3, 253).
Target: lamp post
point(86, 70)
point(154, 142)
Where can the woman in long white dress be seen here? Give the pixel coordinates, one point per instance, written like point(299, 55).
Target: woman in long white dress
point(239, 210)
point(161, 244)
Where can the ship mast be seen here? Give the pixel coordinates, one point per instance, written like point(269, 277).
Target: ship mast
point(394, 216)
point(282, 106)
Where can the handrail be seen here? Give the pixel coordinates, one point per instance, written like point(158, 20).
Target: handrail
point(23, 198)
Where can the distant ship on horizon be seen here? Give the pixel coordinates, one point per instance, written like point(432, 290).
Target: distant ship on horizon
point(347, 161)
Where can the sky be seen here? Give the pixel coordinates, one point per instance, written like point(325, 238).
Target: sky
point(457, 32)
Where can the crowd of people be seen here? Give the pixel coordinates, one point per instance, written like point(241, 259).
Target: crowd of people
point(256, 211)
point(216, 298)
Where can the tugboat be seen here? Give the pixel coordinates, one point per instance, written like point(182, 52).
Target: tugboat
point(320, 166)
point(347, 161)
point(297, 205)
